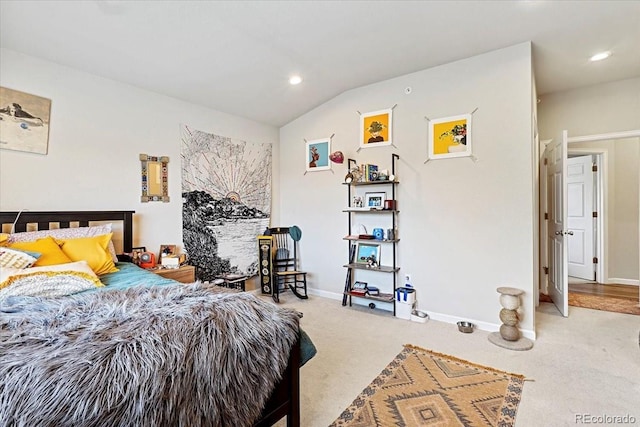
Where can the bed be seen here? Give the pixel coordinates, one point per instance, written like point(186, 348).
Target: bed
point(264, 399)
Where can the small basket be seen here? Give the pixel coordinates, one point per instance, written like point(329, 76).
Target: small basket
point(465, 327)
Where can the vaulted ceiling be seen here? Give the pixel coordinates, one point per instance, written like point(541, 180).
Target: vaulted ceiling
point(237, 56)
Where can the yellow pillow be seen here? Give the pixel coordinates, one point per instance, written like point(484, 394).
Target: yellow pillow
point(4, 239)
point(51, 252)
point(94, 250)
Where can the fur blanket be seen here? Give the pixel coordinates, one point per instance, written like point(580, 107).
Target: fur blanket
point(192, 355)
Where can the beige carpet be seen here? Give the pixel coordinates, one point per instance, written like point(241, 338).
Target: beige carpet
point(424, 388)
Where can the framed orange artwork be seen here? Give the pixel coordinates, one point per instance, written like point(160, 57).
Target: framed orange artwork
point(376, 128)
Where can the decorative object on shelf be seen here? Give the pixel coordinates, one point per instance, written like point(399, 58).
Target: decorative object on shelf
point(391, 234)
point(368, 253)
point(376, 128)
point(135, 254)
point(378, 233)
point(450, 137)
point(375, 200)
point(25, 121)
point(359, 288)
point(354, 175)
point(317, 155)
point(155, 178)
point(389, 205)
point(357, 202)
point(373, 291)
point(337, 157)
point(147, 260)
point(509, 336)
point(166, 250)
point(173, 260)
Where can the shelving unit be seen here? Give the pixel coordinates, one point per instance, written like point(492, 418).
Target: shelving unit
point(353, 267)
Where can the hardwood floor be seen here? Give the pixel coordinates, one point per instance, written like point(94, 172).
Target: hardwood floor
point(616, 298)
point(614, 291)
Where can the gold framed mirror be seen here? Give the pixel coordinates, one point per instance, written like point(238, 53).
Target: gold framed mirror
point(155, 178)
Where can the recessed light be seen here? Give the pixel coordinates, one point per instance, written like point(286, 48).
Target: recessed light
point(600, 56)
point(294, 80)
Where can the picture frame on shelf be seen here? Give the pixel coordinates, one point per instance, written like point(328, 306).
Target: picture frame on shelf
point(135, 254)
point(376, 128)
point(359, 285)
point(375, 199)
point(368, 254)
point(317, 155)
point(166, 250)
point(450, 137)
point(357, 202)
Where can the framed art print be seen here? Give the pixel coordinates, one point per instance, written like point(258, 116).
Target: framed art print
point(24, 121)
point(317, 155)
point(376, 128)
point(367, 253)
point(375, 200)
point(450, 137)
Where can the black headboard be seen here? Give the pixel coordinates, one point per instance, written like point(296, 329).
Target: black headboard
point(43, 220)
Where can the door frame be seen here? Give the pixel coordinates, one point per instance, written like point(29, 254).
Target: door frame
point(542, 236)
point(601, 246)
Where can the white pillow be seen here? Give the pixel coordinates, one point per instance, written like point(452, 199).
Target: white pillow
point(12, 258)
point(48, 281)
point(66, 233)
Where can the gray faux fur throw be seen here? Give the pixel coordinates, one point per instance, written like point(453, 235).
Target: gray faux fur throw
point(193, 355)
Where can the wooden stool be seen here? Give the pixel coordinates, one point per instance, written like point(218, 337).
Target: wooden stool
point(233, 281)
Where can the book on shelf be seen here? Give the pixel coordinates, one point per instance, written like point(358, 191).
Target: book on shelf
point(369, 172)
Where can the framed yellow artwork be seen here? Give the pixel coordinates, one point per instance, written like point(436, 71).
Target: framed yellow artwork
point(450, 137)
point(376, 128)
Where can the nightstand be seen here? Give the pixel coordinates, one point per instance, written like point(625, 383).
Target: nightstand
point(184, 274)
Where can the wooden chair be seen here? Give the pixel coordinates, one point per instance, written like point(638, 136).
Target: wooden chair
point(285, 263)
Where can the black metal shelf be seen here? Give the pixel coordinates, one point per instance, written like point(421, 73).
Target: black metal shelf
point(372, 297)
point(382, 268)
point(379, 182)
point(393, 269)
point(357, 239)
point(370, 210)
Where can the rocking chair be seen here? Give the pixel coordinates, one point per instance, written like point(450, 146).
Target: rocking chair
point(285, 262)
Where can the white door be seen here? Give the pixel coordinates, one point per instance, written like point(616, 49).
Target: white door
point(556, 155)
point(580, 217)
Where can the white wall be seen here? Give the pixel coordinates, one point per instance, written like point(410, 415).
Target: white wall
point(466, 227)
point(601, 109)
point(98, 128)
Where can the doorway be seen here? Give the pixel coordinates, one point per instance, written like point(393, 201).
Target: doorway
point(616, 229)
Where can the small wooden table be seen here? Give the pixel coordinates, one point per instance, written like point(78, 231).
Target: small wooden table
point(183, 274)
point(234, 281)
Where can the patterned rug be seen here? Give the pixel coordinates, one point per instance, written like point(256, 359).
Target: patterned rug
point(423, 388)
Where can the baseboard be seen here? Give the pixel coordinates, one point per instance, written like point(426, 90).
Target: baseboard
point(484, 326)
point(614, 280)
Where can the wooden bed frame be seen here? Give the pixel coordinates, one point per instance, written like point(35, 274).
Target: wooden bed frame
point(285, 399)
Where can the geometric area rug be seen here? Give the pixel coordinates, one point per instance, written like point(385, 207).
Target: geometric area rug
point(423, 388)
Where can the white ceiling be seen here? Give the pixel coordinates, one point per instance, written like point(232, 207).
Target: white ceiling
point(237, 56)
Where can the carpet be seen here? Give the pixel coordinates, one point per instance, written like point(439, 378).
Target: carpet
point(423, 388)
